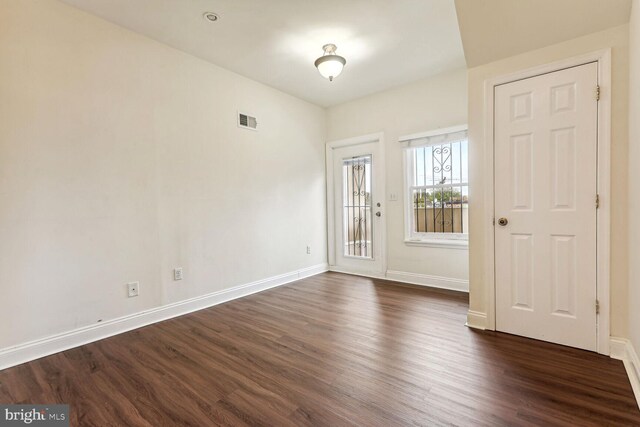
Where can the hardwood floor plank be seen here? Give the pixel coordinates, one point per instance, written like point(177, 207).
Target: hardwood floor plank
point(329, 350)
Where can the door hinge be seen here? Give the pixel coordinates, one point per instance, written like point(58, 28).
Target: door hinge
point(598, 93)
point(597, 307)
point(597, 201)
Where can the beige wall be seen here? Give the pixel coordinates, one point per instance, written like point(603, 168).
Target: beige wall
point(617, 38)
point(120, 159)
point(436, 102)
point(634, 176)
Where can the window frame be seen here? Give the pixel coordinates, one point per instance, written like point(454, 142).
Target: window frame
point(432, 239)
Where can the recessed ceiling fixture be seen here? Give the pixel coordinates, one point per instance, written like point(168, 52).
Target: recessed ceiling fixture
point(211, 17)
point(330, 65)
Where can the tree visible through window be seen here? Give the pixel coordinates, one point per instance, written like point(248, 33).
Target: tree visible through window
point(439, 190)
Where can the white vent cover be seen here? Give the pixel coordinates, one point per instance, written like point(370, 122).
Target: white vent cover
point(246, 121)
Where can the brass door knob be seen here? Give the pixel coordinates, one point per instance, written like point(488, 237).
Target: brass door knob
point(378, 214)
point(503, 221)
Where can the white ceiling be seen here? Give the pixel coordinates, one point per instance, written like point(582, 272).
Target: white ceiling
point(386, 43)
point(496, 29)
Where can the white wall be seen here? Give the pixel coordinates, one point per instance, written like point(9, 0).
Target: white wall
point(120, 159)
point(436, 102)
point(634, 175)
point(495, 29)
point(618, 39)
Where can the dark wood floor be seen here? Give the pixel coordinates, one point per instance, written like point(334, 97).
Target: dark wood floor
point(330, 350)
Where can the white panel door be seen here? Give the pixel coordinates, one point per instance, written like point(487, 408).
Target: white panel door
point(545, 206)
point(357, 201)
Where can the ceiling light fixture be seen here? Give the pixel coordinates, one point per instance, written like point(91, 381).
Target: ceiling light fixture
point(330, 65)
point(211, 17)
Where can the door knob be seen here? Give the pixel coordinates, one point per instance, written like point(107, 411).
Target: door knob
point(503, 221)
point(378, 214)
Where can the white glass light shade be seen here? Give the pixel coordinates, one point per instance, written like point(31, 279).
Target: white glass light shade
point(330, 65)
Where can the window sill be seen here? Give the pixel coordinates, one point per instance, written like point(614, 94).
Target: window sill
point(439, 243)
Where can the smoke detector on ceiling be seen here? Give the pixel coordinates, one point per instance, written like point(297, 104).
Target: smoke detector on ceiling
point(211, 17)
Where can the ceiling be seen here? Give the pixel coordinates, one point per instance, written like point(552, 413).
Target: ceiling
point(386, 43)
point(496, 29)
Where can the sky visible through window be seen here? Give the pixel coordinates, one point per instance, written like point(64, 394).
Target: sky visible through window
point(430, 172)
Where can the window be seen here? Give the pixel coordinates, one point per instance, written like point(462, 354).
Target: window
point(437, 188)
point(356, 205)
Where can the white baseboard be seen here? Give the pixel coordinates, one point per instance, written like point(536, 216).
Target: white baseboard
point(411, 278)
point(476, 320)
point(427, 280)
point(312, 271)
point(618, 348)
point(363, 273)
point(622, 349)
point(26, 352)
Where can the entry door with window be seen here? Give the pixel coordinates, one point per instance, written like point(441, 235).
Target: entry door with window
point(357, 213)
point(545, 206)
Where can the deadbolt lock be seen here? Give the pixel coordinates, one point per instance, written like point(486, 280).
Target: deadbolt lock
point(503, 221)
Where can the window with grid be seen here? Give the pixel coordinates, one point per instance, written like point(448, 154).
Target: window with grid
point(437, 187)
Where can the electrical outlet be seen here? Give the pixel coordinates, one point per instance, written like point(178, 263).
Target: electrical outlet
point(393, 197)
point(308, 250)
point(133, 289)
point(177, 273)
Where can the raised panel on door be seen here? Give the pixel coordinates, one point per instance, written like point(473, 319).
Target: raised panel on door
point(522, 272)
point(563, 158)
point(521, 177)
point(545, 184)
point(564, 271)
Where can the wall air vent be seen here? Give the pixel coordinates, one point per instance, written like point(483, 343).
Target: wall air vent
point(246, 121)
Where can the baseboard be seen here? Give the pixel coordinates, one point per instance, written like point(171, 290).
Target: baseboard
point(622, 349)
point(476, 320)
point(411, 278)
point(428, 280)
point(26, 352)
point(312, 271)
point(618, 348)
point(364, 273)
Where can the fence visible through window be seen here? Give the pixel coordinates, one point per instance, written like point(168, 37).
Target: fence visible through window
point(440, 188)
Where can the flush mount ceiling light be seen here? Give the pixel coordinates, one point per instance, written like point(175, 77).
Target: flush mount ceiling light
point(210, 16)
point(330, 65)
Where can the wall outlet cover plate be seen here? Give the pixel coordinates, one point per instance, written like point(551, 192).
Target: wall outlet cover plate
point(133, 289)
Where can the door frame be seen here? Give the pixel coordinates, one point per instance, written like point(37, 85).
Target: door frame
point(380, 165)
point(603, 214)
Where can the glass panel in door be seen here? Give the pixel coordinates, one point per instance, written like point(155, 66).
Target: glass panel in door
point(356, 216)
